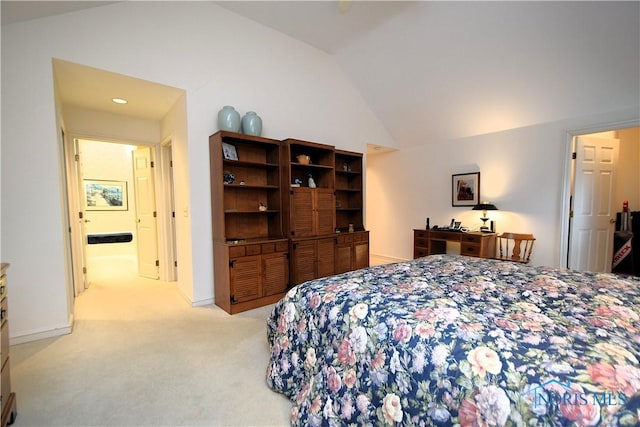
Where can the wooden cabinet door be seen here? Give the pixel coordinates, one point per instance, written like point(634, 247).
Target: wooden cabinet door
point(302, 214)
point(244, 278)
point(343, 256)
point(325, 211)
point(312, 212)
point(303, 260)
point(361, 255)
point(275, 269)
point(325, 257)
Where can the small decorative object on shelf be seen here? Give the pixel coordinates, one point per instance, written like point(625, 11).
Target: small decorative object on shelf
point(229, 119)
point(242, 182)
point(252, 124)
point(229, 178)
point(303, 159)
point(346, 167)
point(229, 151)
point(312, 183)
point(351, 229)
point(297, 182)
point(234, 241)
point(262, 207)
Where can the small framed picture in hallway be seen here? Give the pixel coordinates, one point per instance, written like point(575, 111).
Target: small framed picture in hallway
point(103, 195)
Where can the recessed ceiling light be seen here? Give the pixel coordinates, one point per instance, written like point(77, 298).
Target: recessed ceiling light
point(119, 100)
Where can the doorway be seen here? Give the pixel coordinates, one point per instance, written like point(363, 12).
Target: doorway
point(596, 188)
point(119, 223)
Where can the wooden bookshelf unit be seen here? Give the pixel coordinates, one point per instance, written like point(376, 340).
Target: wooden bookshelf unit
point(272, 227)
point(250, 252)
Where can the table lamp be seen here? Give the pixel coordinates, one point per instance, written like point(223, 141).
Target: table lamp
point(484, 207)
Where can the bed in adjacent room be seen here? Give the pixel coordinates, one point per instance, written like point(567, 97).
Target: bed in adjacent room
point(454, 340)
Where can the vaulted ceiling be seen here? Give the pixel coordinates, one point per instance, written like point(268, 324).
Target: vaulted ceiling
point(434, 71)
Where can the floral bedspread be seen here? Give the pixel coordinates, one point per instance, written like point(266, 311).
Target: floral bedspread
point(452, 340)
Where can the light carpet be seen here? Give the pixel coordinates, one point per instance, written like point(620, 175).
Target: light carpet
point(140, 355)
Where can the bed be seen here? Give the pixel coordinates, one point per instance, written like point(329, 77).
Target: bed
point(454, 340)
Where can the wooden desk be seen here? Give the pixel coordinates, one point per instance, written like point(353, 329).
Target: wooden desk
point(473, 243)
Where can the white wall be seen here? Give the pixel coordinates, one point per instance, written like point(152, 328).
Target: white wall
point(81, 123)
point(522, 171)
point(174, 127)
point(218, 58)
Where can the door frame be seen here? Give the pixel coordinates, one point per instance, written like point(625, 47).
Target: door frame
point(73, 201)
point(567, 190)
point(167, 242)
point(76, 253)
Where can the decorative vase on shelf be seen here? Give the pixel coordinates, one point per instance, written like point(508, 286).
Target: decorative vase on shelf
point(229, 119)
point(312, 183)
point(252, 124)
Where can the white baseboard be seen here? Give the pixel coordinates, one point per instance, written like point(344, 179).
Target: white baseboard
point(25, 337)
point(199, 303)
point(202, 302)
point(387, 258)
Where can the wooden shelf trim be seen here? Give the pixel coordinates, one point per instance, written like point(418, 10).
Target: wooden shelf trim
point(229, 162)
point(236, 211)
point(311, 165)
point(261, 187)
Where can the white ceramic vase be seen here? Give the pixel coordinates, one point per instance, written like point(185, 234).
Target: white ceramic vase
point(229, 119)
point(252, 124)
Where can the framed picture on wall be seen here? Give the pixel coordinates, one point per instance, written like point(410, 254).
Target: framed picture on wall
point(465, 189)
point(104, 195)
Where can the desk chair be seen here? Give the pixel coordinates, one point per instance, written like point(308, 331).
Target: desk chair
point(515, 241)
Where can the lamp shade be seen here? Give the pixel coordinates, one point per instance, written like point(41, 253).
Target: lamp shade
point(485, 206)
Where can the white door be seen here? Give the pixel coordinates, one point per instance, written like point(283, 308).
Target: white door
point(75, 194)
point(148, 263)
point(168, 231)
point(593, 222)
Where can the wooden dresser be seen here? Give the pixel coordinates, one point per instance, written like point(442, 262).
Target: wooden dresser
point(477, 244)
point(8, 397)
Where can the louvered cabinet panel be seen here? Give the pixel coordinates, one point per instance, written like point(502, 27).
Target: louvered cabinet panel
point(343, 257)
point(303, 261)
point(245, 280)
point(325, 211)
point(275, 268)
point(361, 253)
point(325, 257)
point(302, 212)
point(352, 251)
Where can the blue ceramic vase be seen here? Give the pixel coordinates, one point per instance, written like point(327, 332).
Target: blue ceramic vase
point(229, 119)
point(252, 124)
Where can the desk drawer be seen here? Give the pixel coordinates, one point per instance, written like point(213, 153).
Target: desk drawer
point(420, 252)
point(4, 342)
point(471, 238)
point(470, 249)
point(6, 383)
point(3, 286)
point(420, 242)
point(422, 234)
point(445, 235)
